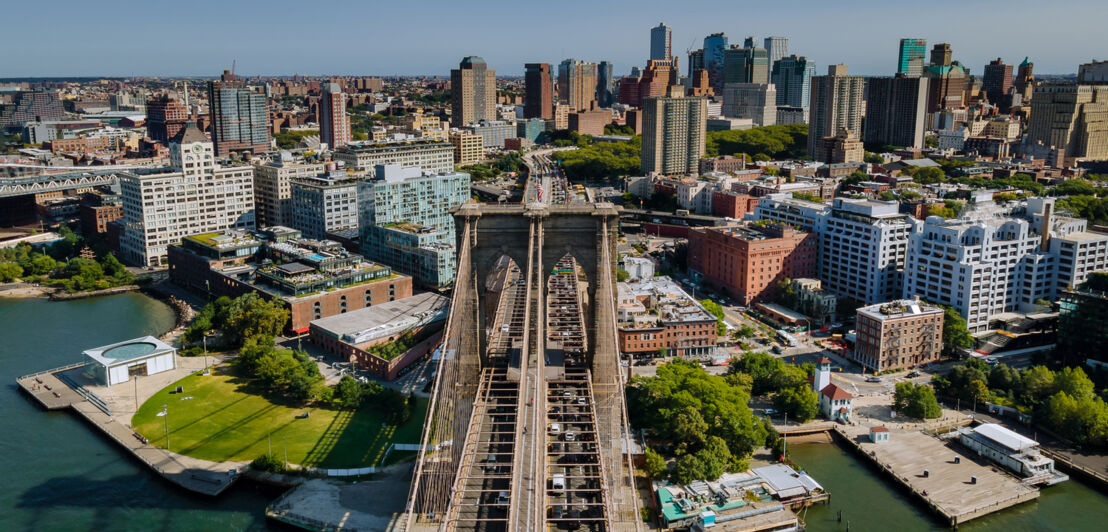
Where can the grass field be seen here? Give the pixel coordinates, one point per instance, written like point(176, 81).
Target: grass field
point(219, 418)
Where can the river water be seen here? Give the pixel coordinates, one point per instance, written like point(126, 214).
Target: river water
point(56, 474)
point(869, 501)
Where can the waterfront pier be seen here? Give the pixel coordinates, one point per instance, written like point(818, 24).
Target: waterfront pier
point(109, 409)
point(956, 485)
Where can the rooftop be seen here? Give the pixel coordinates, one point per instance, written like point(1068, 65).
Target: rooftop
point(128, 350)
point(898, 309)
point(386, 319)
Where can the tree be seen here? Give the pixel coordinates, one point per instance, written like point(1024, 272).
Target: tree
point(653, 464)
point(886, 196)
point(916, 401)
point(955, 332)
point(928, 175)
point(1074, 187)
point(682, 389)
point(873, 158)
point(252, 316)
point(745, 331)
point(1075, 383)
point(9, 271)
point(714, 309)
point(1038, 385)
point(43, 264)
point(800, 403)
point(348, 392)
point(622, 275)
point(807, 197)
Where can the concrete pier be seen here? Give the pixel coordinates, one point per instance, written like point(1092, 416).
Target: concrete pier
point(110, 409)
point(954, 484)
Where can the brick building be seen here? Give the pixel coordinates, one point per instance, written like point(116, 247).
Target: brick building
point(657, 314)
point(748, 260)
point(898, 335)
point(732, 205)
point(313, 279)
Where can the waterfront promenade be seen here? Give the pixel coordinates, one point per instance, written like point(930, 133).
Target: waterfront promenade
point(110, 409)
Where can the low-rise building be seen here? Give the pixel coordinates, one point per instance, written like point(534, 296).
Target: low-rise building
point(1013, 451)
point(468, 147)
point(430, 154)
point(898, 335)
point(98, 209)
point(416, 320)
point(835, 403)
point(312, 278)
point(656, 314)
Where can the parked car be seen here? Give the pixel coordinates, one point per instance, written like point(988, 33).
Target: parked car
point(913, 374)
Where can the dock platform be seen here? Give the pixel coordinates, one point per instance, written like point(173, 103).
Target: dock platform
point(63, 388)
point(926, 466)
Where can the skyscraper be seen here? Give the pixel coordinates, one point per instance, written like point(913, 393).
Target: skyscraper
point(240, 120)
point(1071, 118)
point(714, 47)
point(605, 84)
point(661, 41)
point(910, 60)
point(577, 84)
point(776, 47)
point(941, 55)
point(673, 136)
point(997, 80)
point(745, 65)
point(836, 103)
point(948, 80)
point(334, 125)
point(539, 99)
point(756, 101)
point(792, 76)
point(1025, 79)
point(896, 110)
point(696, 62)
point(472, 92)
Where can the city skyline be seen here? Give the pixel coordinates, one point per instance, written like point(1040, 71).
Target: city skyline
point(269, 45)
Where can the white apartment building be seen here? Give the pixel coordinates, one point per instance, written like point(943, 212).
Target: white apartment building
point(326, 203)
point(193, 195)
point(863, 243)
point(273, 188)
point(431, 155)
point(997, 259)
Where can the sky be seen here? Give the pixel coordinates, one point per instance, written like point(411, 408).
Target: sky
point(429, 37)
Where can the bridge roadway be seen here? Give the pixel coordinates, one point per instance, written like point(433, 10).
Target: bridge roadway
point(535, 401)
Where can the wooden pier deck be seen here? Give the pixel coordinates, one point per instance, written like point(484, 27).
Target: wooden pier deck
point(54, 393)
point(947, 487)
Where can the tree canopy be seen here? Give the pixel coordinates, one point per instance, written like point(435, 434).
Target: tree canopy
point(916, 401)
point(695, 412)
point(777, 142)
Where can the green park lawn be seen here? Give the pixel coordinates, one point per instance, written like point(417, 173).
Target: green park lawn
point(219, 418)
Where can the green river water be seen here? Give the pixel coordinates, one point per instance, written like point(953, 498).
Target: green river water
point(870, 501)
point(59, 475)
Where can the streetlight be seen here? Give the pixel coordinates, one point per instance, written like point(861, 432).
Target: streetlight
point(165, 416)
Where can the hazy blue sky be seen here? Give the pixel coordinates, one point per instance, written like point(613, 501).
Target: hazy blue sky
point(201, 37)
